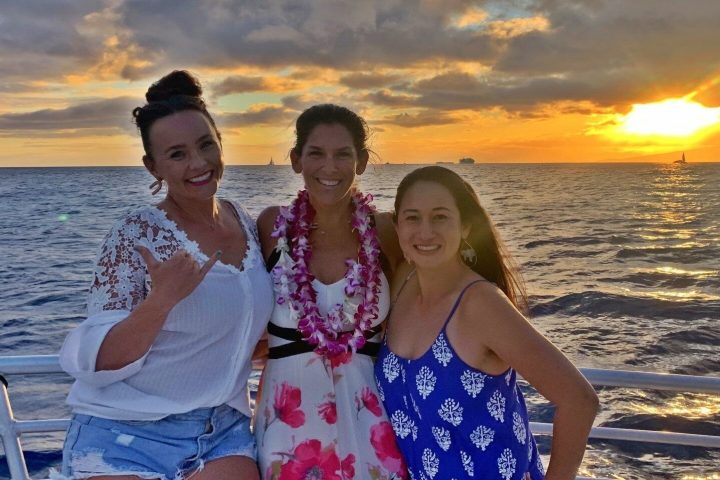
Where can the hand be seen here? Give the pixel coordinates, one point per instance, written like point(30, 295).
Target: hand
point(177, 277)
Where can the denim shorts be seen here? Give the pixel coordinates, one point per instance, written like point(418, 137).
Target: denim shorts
point(166, 449)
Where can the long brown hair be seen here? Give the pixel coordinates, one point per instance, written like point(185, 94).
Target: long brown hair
point(494, 262)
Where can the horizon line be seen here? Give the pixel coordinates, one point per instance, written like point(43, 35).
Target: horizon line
point(604, 162)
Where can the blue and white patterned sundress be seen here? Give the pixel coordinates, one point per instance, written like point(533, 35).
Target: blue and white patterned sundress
point(453, 421)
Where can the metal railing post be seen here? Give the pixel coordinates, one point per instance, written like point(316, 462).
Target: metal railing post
point(10, 439)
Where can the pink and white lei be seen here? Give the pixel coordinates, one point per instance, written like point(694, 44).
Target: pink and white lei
point(345, 325)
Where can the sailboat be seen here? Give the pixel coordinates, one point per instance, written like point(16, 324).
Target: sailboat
point(682, 160)
point(271, 161)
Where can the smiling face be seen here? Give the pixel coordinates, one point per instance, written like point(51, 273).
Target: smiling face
point(186, 153)
point(429, 225)
point(328, 163)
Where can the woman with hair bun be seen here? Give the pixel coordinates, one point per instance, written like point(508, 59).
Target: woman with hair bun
point(455, 340)
point(179, 299)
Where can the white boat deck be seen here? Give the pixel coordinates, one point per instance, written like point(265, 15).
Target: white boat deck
point(11, 429)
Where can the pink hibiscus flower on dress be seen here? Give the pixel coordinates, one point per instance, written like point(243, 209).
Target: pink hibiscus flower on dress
point(287, 403)
point(340, 359)
point(328, 412)
point(370, 401)
point(348, 466)
point(382, 439)
point(310, 460)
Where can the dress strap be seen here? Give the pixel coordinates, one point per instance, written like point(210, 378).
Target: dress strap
point(392, 304)
point(457, 302)
point(272, 260)
point(402, 287)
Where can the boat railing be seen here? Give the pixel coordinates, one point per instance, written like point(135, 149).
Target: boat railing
point(11, 429)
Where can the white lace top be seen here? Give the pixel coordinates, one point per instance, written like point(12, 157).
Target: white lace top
point(200, 358)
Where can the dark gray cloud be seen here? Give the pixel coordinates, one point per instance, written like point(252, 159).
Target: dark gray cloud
point(457, 90)
point(422, 119)
point(390, 99)
point(41, 39)
point(368, 80)
point(248, 84)
point(100, 114)
point(238, 84)
point(344, 34)
point(659, 45)
point(598, 52)
point(296, 102)
point(269, 115)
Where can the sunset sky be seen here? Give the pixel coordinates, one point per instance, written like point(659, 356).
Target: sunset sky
point(499, 81)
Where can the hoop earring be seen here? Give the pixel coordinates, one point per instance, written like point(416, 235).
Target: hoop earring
point(468, 253)
point(156, 186)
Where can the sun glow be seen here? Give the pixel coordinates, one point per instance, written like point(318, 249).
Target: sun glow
point(695, 406)
point(674, 117)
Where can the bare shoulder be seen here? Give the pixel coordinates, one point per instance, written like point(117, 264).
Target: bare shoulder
point(266, 219)
point(493, 305)
point(265, 225)
point(388, 238)
point(383, 219)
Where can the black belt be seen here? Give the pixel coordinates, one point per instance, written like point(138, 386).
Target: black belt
point(298, 344)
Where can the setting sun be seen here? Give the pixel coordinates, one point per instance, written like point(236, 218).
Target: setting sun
point(675, 117)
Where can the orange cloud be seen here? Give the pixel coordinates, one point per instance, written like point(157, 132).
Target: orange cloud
point(515, 27)
point(473, 17)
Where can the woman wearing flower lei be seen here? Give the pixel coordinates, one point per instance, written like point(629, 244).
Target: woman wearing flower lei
point(330, 255)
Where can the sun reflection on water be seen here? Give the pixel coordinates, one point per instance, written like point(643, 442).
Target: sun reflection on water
point(680, 236)
point(673, 295)
point(691, 406)
point(684, 245)
point(699, 274)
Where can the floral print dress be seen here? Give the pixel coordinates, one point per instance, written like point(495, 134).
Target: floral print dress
point(320, 417)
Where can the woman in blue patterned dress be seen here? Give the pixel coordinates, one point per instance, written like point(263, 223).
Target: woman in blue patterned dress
point(455, 340)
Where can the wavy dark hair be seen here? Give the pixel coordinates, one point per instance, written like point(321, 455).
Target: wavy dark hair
point(494, 263)
point(177, 91)
point(329, 114)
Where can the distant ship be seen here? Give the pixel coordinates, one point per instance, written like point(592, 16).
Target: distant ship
point(271, 161)
point(466, 161)
point(682, 160)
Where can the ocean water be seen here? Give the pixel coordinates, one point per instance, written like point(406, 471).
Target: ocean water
point(622, 263)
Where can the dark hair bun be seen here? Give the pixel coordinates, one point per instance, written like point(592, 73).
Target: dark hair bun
point(177, 82)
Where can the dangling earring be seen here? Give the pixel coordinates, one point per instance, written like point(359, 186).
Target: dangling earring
point(408, 260)
point(468, 253)
point(156, 186)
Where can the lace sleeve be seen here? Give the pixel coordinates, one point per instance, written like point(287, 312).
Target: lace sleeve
point(120, 283)
point(119, 278)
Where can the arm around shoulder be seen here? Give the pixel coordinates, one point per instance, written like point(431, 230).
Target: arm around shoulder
point(266, 225)
point(388, 238)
